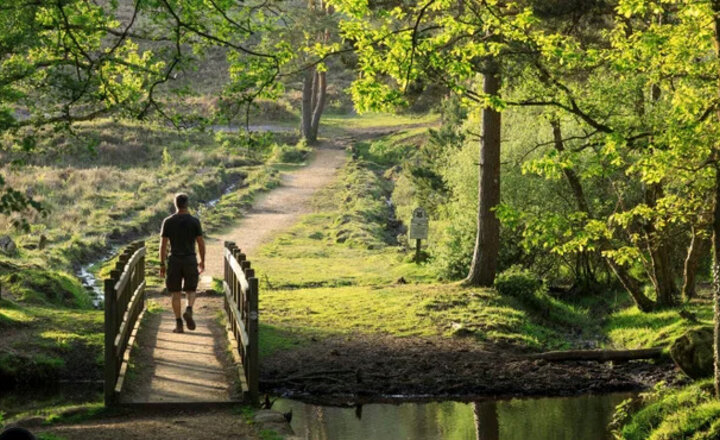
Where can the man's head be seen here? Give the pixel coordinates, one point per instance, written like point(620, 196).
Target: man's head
point(181, 201)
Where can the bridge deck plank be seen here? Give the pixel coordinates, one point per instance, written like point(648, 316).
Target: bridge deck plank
point(189, 367)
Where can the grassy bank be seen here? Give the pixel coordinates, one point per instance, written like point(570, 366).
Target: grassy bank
point(111, 183)
point(342, 270)
point(49, 329)
point(688, 412)
point(632, 328)
point(671, 414)
point(119, 184)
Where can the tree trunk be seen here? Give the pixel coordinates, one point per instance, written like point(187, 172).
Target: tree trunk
point(716, 271)
point(631, 286)
point(487, 242)
point(661, 273)
point(570, 175)
point(629, 283)
point(320, 96)
point(663, 277)
point(699, 245)
point(579, 195)
point(307, 96)
point(600, 355)
point(715, 5)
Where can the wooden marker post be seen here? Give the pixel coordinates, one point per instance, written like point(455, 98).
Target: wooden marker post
point(418, 229)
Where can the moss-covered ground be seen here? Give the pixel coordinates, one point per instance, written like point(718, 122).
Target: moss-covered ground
point(629, 327)
point(691, 412)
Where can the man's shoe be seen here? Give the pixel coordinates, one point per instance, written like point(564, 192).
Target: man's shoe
point(179, 327)
point(189, 319)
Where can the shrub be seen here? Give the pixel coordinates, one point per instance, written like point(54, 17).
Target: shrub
point(290, 153)
point(519, 283)
point(531, 293)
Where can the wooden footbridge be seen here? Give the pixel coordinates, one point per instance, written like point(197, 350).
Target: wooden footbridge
point(192, 367)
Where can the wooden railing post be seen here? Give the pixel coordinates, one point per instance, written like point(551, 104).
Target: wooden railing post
point(241, 306)
point(253, 364)
point(111, 367)
point(141, 273)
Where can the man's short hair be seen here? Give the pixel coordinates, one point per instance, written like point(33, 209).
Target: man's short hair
point(181, 200)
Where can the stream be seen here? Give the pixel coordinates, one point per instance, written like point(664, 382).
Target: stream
point(583, 417)
point(87, 277)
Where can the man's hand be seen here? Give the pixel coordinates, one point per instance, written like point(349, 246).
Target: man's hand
point(162, 270)
point(201, 267)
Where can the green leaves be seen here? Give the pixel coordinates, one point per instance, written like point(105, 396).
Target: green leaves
point(13, 201)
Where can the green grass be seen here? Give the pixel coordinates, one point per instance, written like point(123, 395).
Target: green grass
point(122, 185)
point(632, 328)
point(291, 317)
point(686, 413)
point(308, 255)
point(371, 120)
point(31, 284)
point(337, 272)
point(55, 413)
point(49, 436)
point(42, 343)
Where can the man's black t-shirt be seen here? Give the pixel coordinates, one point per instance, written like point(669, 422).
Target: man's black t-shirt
point(182, 230)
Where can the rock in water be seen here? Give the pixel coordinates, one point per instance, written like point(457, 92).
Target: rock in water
point(693, 352)
point(7, 245)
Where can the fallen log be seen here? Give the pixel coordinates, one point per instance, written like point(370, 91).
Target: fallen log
point(600, 355)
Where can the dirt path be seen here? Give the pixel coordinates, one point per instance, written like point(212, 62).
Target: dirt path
point(279, 209)
point(153, 425)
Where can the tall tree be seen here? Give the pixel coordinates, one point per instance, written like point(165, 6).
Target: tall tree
point(715, 5)
point(448, 43)
point(487, 241)
point(73, 60)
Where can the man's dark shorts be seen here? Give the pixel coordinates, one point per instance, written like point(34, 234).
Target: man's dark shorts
point(182, 274)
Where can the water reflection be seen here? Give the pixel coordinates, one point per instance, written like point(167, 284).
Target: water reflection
point(575, 418)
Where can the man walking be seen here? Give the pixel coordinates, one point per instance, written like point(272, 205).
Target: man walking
point(182, 230)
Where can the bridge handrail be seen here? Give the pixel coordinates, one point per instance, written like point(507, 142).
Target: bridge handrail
point(124, 301)
point(240, 287)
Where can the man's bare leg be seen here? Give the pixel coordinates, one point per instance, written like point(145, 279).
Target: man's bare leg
point(190, 299)
point(188, 315)
point(176, 305)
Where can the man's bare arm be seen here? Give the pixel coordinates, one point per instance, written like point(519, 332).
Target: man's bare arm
point(201, 248)
point(163, 255)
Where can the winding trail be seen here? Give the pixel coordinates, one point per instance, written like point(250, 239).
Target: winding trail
point(279, 209)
